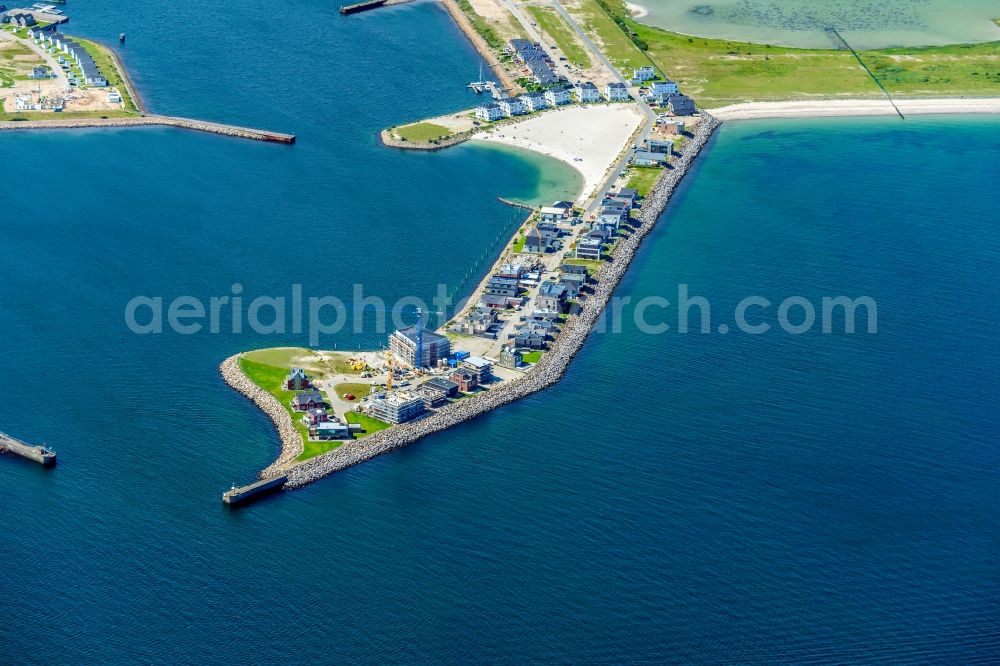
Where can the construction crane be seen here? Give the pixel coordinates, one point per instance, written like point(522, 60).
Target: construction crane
point(388, 362)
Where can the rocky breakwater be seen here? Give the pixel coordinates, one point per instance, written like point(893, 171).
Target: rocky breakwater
point(552, 364)
point(291, 440)
point(391, 141)
point(147, 121)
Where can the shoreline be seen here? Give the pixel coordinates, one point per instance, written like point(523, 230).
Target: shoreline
point(553, 363)
point(858, 108)
point(292, 445)
point(140, 106)
point(478, 43)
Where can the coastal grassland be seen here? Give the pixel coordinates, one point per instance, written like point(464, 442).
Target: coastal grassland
point(314, 363)
point(422, 132)
point(553, 24)
point(16, 61)
point(269, 378)
point(480, 25)
point(64, 115)
point(606, 33)
point(717, 71)
point(109, 67)
point(959, 69)
point(641, 179)
point(370, 424)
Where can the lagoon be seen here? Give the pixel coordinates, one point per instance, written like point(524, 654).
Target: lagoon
point(864, 23)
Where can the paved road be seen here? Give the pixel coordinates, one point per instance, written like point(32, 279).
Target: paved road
point(650, 115)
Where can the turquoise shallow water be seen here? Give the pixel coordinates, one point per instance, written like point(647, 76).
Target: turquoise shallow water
point(690, 498)
point(865, 23)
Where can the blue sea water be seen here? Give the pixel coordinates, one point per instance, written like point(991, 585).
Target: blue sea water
point(676, 498)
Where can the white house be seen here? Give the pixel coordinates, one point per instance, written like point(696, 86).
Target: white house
point(588, 248)
point(616, 92)
point(558, 96)
point(667, 87)
point(489, 112)
point(114, 97)
point(534, 102)
point(645, 73)
point(588, 92)
point(511, 106)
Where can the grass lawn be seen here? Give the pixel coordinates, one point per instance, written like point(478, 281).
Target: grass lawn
point(557, 28)
point(422, 132)
point(370, 424)
point(531, 357)
point(269, 378)
point(519, 243)
point(592, 265)
point(641, 179)
point(317, 448)
point(358, 390)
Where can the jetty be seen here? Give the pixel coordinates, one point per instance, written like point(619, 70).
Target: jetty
point(39, 454)
point(243, 494)
point(150, 121)
point(369, 4)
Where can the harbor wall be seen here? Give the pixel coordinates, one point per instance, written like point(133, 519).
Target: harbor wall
point(552, 364)
point(38, 454)
point(149, 121)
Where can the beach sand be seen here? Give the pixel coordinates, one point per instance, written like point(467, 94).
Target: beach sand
point(588, 138)
point(855, 107)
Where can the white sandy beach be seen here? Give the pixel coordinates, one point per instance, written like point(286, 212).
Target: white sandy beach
point(588, 138)
point(855, 107)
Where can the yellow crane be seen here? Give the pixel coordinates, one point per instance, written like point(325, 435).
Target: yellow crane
point(388, 362)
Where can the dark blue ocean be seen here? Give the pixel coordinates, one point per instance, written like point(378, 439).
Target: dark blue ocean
point(693, 498)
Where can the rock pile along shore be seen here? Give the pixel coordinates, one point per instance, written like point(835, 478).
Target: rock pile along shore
point(149, 121)
point(291, 440)
point(552, 364)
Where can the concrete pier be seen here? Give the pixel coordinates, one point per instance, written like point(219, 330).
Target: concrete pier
point(369, 4)
point(38, 454)
point(244, 494)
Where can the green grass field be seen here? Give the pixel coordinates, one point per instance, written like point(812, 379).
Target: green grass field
point(64, 115)
point(557, 28)
point(422, 132)
point(716, 72)
point(592, 265)
point(531, 357)
point(370, 424)
point(269, 378)
point(641, 179)
point(357, 390)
